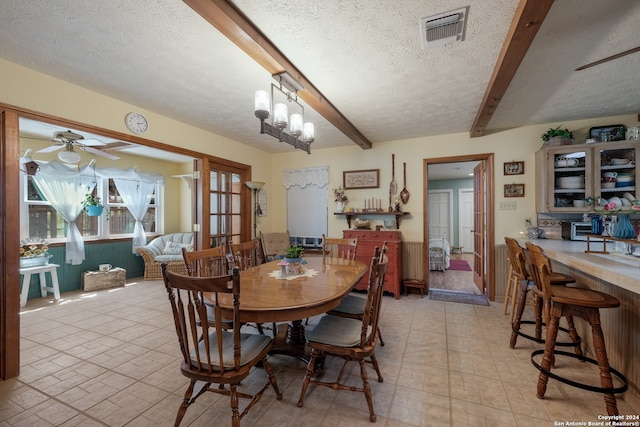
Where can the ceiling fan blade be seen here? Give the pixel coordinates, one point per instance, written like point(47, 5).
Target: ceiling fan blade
point(50, 149)
point(92, 142)
point(609, 58)
point(99, 152)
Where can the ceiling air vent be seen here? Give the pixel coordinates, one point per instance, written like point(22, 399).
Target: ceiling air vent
point(444, 28)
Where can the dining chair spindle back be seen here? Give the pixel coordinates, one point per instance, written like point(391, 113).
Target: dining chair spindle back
point(349, 339)
point(211, 354)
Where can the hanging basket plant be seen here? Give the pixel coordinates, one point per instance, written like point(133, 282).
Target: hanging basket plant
point(92, 205)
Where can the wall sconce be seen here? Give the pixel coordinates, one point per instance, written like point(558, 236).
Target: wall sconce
point(255, 186)
point(300, 134)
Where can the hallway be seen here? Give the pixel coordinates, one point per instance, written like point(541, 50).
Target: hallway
point(455, 280)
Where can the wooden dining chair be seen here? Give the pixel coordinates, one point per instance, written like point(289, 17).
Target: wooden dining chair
point(210, 354)
point(274, 244)
point(246, 254)
point(349, 339)
point(336, 249)
point(353, 306)
point(339, 248)
point(208, 263)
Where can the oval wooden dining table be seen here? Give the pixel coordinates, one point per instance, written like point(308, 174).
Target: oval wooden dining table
point(266, 297)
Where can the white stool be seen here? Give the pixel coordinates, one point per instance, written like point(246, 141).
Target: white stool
point(40, 269)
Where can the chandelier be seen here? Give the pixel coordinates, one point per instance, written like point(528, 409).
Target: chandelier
point(300, 135)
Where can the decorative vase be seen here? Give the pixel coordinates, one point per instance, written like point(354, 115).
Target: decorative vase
point(94, 210)
point(294, 265)
point(623, 228)
point(339, 206)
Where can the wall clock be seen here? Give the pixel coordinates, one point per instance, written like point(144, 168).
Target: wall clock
point(136, 123)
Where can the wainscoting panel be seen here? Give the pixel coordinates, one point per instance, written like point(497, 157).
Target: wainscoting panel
point(412, 260)
point(502, 271)
point(117, 253)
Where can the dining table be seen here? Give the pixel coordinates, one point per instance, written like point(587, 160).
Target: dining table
point(269, 295)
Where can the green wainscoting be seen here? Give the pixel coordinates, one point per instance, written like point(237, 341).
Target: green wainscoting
point(117, 253)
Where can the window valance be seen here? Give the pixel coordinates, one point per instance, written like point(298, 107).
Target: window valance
point(318, 176)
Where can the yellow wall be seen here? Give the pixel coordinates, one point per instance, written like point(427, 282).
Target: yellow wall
point(518, 144)
point(29, 89)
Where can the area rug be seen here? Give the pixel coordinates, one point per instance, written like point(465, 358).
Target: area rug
point(460, 265)
point(453, 296)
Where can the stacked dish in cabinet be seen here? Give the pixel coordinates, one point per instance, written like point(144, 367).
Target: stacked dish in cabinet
point(569, 176)
point(617, 173)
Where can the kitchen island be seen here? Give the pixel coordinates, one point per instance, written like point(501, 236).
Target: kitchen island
point(617, 275)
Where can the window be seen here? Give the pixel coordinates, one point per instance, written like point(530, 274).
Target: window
point(307, 204)
point(307, 215)
point(40, 219)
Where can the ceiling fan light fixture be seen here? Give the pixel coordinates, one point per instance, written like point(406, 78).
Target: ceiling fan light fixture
point(69, 156)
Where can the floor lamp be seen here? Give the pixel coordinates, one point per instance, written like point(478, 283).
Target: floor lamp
point(255, 186)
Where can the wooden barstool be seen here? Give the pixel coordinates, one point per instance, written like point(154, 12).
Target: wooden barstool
point(526, 279)
point(514, 277)
point(586, 304)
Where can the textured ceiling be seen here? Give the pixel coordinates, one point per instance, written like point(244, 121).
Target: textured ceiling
point(365, 56)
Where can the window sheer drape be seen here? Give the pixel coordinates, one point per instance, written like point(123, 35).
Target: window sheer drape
point(136, 189)
point(65, 189)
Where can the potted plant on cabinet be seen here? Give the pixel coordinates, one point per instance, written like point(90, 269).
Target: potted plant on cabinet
point(92, 204)
point(557, 136)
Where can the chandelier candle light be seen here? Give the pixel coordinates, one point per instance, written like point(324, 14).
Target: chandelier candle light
point(300, 134)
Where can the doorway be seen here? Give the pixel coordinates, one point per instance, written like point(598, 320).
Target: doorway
point(471, 222)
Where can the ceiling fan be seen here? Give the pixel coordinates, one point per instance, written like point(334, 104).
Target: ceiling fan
point(68, 140)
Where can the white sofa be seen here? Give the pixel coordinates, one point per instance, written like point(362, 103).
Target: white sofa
point(165, 249)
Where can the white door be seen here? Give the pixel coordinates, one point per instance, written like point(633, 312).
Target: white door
point(465, 219)
point(440, 214)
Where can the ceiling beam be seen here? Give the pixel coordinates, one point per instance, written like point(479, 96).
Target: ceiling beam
point(227, 19)
point(524, 27)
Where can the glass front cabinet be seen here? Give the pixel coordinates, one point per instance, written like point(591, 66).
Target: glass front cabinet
point(567, 175)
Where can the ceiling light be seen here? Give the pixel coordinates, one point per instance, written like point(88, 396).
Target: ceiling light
point(68, 155)
point(300, 134)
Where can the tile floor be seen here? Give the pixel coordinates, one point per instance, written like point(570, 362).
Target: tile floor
point(110, 358)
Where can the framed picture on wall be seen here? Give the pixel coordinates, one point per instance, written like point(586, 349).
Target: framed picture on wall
point(514, 168)
point(369, 178)
point(514, 190)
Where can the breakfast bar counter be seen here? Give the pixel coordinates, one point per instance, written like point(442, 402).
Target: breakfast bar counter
point(617, 275)
point(620, 270)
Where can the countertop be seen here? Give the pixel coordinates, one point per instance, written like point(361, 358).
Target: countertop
point(620, 270)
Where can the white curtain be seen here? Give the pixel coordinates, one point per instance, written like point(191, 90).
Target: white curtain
point(136, 189)
point(65, 188)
